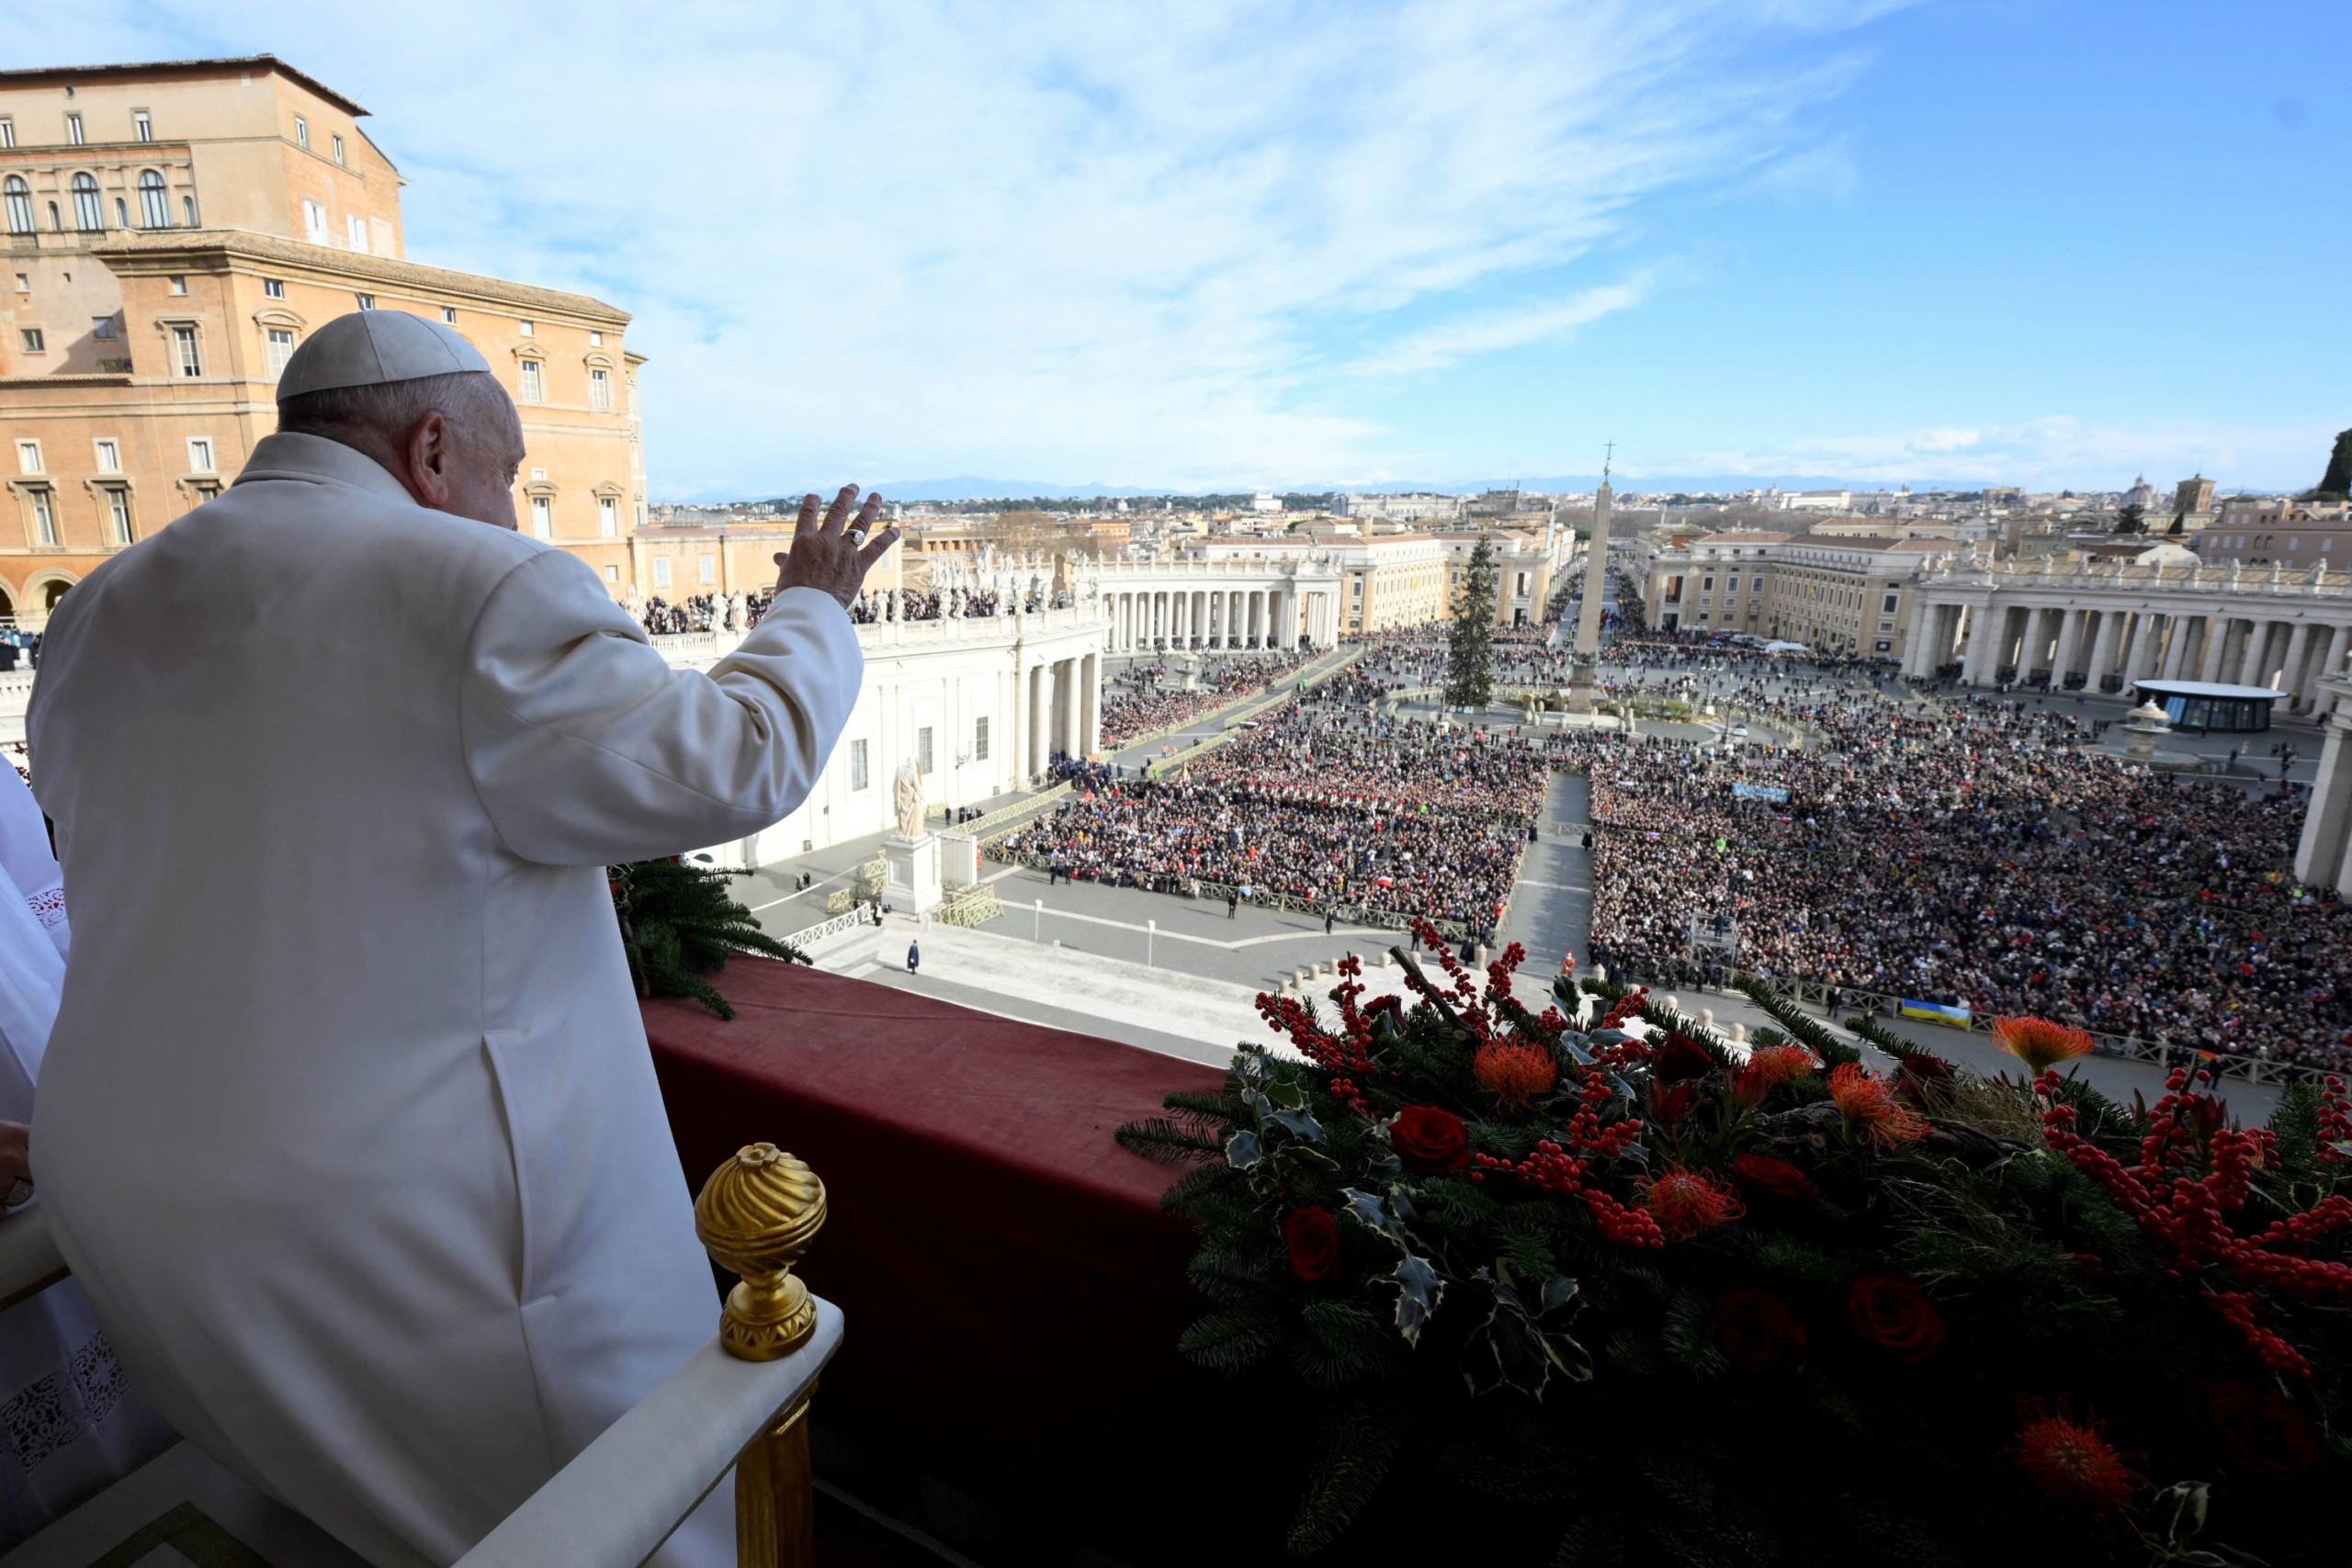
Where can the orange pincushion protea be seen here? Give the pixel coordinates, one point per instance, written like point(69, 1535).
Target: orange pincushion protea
point(1777, 1064)
point(1868, 1104)
point(1515, 1072)
point(2040, 1044)
point(2072, 1460)
point(1685, 1202)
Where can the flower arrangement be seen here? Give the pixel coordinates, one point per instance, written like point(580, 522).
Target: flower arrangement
point(1590, 1285)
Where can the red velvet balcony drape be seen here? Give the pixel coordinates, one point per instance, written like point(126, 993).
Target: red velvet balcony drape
point(1014, 1292)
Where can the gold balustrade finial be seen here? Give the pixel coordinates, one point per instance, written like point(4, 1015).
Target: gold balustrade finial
point(757, 1214)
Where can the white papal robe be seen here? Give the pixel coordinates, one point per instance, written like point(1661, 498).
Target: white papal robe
point(348, 1125)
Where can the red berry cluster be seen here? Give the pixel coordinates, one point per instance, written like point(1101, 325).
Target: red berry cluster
point(1346, 1055)
point(2195, 1171)
point(2335, 1120)
point(1551, 1168)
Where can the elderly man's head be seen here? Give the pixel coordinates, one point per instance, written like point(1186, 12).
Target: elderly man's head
point(418, 398)
point(454, 441)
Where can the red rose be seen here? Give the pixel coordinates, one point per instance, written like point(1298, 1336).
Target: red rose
point(1426, 1138)
point(1758, 1330)
point(1894, 1315)
point(1922, 1081)
point(2267, 1433)
point(1769, 1178)
point(1682, 1058)
point(1311, 1237)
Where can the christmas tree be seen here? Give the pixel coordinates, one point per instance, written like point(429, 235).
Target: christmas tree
point(1470, 654)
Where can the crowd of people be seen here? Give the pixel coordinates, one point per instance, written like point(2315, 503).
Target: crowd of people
point(1321, 804)
point(1147, 698)
point(1968, 851)
point(1974, 854)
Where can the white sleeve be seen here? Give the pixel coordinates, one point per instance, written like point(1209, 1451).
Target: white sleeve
point(588, 749)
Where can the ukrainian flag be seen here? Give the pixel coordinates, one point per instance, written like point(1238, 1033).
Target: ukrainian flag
point(1934, 1012)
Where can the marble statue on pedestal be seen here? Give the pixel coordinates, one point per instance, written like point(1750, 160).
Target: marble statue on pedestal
point(907, 795)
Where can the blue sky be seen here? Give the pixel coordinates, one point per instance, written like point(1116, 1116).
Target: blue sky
point(1219, 246)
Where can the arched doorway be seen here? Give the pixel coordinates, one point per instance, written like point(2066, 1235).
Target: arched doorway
point(50, 592)
point(7, 604)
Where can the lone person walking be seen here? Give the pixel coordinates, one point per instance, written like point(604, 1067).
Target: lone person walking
point(915, 956)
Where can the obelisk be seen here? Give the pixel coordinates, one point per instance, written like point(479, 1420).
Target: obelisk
point(1585, 655)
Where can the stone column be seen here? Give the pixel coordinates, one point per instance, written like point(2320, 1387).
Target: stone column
point(2036, 640)
point(2070, 641)
point(2322, 849)
point(2146, 638)
point(1977, 644)
point(2184, 632)
point(2298, 645)
point(2111, 631)
point(2330, 665)
point(2217, 638)
point(1915, 645)
point(1041, 717)
point(1089, 686)
point(2252, 667)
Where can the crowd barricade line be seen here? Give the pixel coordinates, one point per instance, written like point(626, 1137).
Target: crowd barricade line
point(1006, 818)
point(1216, 892)
point(808, 936)
point(2125, 1047)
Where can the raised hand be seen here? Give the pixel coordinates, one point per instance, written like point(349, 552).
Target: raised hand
point(834, 556)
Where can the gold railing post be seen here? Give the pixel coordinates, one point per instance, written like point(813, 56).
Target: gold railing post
point(757, 1214)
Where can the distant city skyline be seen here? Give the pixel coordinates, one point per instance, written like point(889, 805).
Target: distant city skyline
point(1230, 248)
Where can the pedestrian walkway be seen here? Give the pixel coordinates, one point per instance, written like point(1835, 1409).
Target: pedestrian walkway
point(1551, 905)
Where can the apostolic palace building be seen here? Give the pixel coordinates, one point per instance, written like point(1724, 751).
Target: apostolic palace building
point(172, 231)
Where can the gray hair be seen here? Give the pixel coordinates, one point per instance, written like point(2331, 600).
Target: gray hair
point(389, 409)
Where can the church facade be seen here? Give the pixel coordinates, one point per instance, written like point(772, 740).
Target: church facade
point(172, 232)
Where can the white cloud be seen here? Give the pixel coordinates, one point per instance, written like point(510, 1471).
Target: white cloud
point(2060, 450)
point(1434, 348)
point(1063, 240)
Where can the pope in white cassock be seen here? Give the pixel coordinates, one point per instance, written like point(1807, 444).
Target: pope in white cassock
point(347, 1124)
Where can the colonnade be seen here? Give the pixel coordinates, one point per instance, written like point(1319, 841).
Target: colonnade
point(1202, 617)
point(2106, 647)
point(1060, 709)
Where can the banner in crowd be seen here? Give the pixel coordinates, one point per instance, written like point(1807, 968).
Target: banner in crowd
point(1935, 1012)
point(1772, 793)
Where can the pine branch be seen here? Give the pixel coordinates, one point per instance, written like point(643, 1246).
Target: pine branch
point(1358, 1443)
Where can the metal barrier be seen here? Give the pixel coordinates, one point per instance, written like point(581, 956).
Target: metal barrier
point(808, 936)
point(997, 823)
point(1217, 892)
point(2124, 1047)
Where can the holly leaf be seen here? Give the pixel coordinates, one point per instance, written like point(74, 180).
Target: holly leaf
point(1419, 1290)
point(1557, 1291)
point(1243, 1150)
point(1299, 1123)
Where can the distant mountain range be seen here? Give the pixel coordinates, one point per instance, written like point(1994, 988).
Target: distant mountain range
point(972, 487)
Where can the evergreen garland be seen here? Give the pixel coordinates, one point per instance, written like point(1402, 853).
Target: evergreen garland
point(1470, 650)
point(678, 924)
point(1469, 1353)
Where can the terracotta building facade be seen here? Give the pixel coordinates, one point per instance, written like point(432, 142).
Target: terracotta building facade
point(172, 232)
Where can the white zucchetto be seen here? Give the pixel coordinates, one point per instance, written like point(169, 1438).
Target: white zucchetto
point(368, 348)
